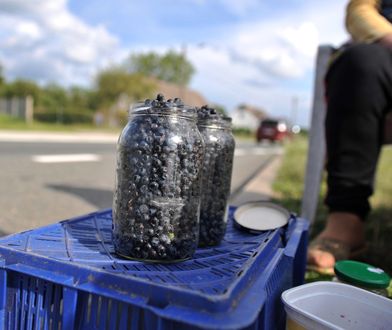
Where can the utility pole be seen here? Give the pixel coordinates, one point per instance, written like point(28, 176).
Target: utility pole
point(294, 109)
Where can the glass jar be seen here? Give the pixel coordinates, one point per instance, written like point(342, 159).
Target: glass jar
point(216, 178)
point(362, 275)
point(157, 195)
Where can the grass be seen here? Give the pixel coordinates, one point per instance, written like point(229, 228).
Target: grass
point(17, 124)
point(288, 188)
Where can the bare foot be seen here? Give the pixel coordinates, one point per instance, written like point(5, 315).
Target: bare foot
point(320, 259)
point(344, 227)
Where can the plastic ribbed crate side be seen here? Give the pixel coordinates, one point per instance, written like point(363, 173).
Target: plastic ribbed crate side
point(256, 251)
point(298, 249)
point(131, 317)
point(241, 317)
point(32, 303)
point(3, 293)
point(118, 286)
point(290, 272)
point(99, 290)
point(265, 293)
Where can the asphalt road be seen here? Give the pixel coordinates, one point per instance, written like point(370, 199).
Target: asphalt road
point(37, 190)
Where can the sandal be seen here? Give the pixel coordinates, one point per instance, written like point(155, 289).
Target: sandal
point(339, 249)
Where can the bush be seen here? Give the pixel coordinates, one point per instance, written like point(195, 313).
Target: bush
point(67, 117)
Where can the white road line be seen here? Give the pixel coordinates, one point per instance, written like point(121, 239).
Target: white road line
point(70, 158)
point(256, 151)
point(240, 152)
point(77, 137)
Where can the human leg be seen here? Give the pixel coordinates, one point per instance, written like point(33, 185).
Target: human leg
point(358, 96)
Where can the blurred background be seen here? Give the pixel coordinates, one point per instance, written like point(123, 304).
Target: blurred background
point(84, 61)
point(70, 70)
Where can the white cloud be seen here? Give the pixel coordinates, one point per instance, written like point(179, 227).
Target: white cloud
point(268, 62)
point(43, 40)
point(236, 7)
point(28, 29)
point(239, 7)
point(263, 62)
point(303, 38)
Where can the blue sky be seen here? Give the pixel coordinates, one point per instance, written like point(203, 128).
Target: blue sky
point(256, 51)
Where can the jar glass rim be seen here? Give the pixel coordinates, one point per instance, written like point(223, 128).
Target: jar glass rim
point(217, 122)
point(174, 109)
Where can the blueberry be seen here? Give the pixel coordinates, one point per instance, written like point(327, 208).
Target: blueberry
point(164, 239)
point(144, 189)
point(153, 186)
point(155, 207)
point(155, 241)
point(216, 177)
point(143, 209)
point(144, 145)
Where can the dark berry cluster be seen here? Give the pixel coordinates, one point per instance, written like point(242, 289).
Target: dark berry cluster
point(161, 104)
point(157, 196)
point(207, 113)
point(216, 175)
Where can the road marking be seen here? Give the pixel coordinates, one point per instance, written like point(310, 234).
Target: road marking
point(257, 151)
point(58, 137)
point(70, 158)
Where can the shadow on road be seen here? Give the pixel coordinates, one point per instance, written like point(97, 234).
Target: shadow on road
point(101, 198)
point(3, 233)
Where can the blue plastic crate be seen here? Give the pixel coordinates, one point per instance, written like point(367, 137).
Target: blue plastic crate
point(67, 276)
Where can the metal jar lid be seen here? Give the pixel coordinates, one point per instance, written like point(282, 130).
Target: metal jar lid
point(260, 216)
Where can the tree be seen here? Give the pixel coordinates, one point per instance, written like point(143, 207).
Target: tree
point(172, 67)
point(54, 98)
point(220, 109)
point(2, 80)
point(20, 88)
point(66, 106)
point(82, 98)
point(113, 82)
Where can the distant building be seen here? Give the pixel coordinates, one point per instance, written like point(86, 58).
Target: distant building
point(247, 117)
point(21, 107)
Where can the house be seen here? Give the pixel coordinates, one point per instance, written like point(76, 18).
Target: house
point(247, 117)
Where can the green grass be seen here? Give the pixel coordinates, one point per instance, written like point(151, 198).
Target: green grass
point(17, 124)
point(289, 185)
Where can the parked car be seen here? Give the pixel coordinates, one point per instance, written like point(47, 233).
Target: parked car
point(273, 130)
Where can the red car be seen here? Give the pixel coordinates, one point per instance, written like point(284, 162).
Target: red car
point(273, 130)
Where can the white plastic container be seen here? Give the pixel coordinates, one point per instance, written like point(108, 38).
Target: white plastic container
point(330, 305)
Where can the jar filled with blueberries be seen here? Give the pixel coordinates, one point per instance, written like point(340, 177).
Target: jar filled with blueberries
point(216, 178)
point(157, 195)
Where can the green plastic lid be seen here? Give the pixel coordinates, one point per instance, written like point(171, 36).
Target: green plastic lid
point(359, 273)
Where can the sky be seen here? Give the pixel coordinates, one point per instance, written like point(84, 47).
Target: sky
point(259, 52)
